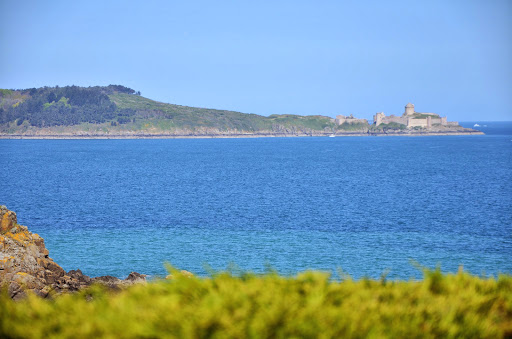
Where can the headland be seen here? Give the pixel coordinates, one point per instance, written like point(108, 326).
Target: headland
point(118, 112)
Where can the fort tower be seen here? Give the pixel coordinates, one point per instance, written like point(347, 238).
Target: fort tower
point(409, 109)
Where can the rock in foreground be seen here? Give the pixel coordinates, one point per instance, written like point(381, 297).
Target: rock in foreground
point(25, 264)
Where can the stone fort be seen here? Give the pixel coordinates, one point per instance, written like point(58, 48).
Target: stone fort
point(411, 119)
point(341, 119)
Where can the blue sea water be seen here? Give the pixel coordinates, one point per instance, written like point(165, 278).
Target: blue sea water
point(363, 204)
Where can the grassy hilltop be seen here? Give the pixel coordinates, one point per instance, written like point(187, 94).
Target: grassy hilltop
point(116, 109)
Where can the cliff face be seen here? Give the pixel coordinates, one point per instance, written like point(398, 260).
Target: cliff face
point(25, 264)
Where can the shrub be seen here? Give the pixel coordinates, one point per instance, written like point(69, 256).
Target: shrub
point(263, 306)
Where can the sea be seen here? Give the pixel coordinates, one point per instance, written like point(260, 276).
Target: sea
point(358, 206)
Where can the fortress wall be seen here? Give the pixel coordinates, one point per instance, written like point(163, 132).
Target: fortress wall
point(377, 118)
point(356, 121)
point(339, 120)
point(417, 123)
point(392, 118)
point(452, 123)
point(436, 121)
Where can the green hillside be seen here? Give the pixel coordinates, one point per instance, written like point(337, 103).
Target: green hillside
point(118, 109)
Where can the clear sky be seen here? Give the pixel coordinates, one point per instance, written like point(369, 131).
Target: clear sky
point(270, 57)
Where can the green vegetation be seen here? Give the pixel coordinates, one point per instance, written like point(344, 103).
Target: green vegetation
point(60, 106)
point(424, 116)
point(5, 92)
point(392, 126)
point(194, 117)
point(62, 101)
point(272, 306)
point(315, 122)
point(123, 108)
point(187, 117)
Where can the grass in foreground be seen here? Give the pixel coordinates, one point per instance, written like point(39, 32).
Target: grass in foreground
point(309, 305)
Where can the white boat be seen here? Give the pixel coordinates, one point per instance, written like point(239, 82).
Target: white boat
point(331, 136)
point(476, 125)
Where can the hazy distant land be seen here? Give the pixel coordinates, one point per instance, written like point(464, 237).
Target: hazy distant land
point(116, 111)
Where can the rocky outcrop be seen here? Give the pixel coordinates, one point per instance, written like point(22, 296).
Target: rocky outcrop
point(25, 264)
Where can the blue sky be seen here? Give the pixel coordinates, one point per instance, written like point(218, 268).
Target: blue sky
point(272, 57)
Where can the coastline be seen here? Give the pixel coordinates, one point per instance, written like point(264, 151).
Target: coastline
point(231, 135)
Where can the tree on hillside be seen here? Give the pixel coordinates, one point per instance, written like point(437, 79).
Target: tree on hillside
point(68, 105)
point(52, 97)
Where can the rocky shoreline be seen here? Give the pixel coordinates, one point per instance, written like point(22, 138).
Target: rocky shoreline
point(240, 135)
point(25, 265)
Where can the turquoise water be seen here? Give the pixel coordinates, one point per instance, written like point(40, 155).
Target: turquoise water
point(363, 204)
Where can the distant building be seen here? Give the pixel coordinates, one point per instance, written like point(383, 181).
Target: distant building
point(409, 109)
point(341, 119)
point(410, 118)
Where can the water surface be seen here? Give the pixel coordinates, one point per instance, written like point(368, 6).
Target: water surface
point(363, 204)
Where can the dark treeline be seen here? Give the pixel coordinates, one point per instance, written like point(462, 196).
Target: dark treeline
point(70, 105)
